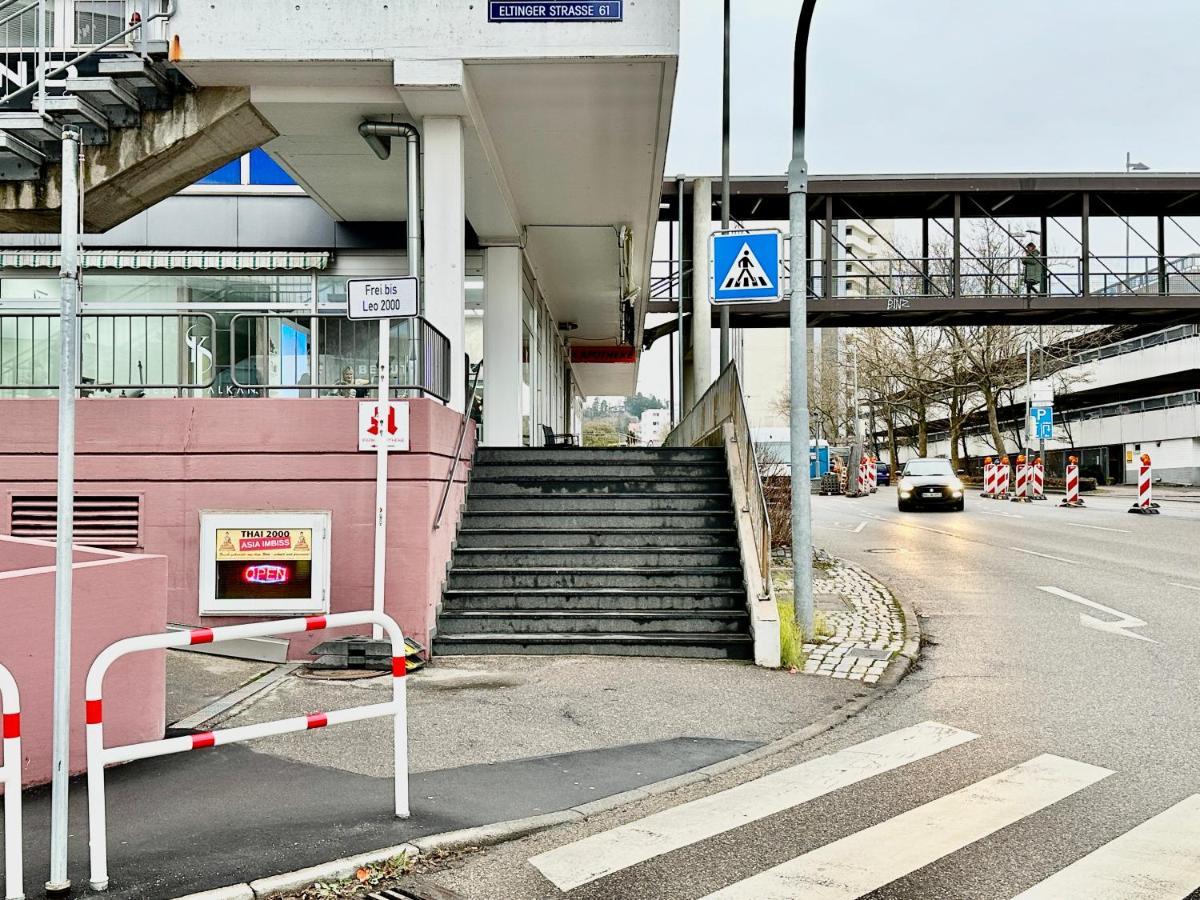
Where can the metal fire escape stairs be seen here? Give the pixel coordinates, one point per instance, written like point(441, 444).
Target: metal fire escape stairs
point(95, 89)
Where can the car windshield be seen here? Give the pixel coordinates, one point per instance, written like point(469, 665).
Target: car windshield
point(928, 467)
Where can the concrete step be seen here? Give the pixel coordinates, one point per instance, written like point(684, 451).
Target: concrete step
point(597, 520)
point(599, 471)
point(692, 578)
point(731, 646)
point(606, 455)
point(30, 127)
point(594, 503)
point(72, 110)
point(601, 557)
point(606, 599)
point(19, 161)
point(548, 536)
point(484, 486)
point(531, 622)
point(120, 104)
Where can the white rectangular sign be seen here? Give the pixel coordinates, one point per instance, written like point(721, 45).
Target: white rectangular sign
point(368, 425)
point(382, 298)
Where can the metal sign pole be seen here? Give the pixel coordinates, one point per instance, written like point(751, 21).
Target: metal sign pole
point(65, 533)
point(725, 180)
point(381, 469)
point(798, 320)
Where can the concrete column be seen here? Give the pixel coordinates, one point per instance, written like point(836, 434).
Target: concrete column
point(445, 239)
point(502, 346)
point(702, 355)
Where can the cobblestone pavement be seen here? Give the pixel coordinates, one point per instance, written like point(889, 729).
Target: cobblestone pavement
point(866, 620)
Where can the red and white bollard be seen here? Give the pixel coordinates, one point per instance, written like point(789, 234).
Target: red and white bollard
point(1072, 485)
point(1036, 484)
point(1145, 504)
point(10, 778)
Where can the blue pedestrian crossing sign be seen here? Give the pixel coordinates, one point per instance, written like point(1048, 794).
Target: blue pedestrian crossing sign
point(745, 266)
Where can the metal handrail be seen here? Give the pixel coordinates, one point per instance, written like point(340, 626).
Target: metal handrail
point(724, 403)
point(462, 433)
point(90, 52)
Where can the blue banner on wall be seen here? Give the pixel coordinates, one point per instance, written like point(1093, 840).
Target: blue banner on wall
point(602, 11)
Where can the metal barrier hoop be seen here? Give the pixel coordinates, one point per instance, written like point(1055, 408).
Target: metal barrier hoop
point(10, 777)
point(98, 756)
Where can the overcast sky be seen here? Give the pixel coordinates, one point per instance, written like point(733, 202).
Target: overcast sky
point(928, 86)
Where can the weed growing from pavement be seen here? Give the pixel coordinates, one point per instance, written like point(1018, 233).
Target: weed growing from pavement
point(791, 638)
point(366, 880)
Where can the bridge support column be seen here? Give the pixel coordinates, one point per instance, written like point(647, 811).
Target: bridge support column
point(702, 356)
point(1085, 245)
point(502, 324)
point(1164, 286)
point(445, 239)
point(956, 274)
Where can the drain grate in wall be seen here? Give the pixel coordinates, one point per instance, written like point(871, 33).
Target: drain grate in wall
point(101, 520)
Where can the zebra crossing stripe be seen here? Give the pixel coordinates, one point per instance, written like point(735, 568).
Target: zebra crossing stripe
point(611, 851)
point(1157, 860)
point(869, 859)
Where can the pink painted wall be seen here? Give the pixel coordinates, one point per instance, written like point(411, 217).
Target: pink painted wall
point(185, 455)
point(115, 596)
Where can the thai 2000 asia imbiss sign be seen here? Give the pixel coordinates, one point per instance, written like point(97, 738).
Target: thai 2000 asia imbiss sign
point(266, 563)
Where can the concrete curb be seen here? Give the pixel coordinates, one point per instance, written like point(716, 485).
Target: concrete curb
point(502, 832)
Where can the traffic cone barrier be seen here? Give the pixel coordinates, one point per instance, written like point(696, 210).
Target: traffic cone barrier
point(1072, 484)
point(1145, 504)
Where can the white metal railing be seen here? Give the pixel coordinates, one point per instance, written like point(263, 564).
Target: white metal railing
point(10, 778)
point(98, 756)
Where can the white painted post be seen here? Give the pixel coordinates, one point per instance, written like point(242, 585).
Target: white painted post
point(381, 471)
point(10, 777)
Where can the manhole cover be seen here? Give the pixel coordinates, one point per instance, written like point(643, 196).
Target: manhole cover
point(869, 653)
point(884, 550)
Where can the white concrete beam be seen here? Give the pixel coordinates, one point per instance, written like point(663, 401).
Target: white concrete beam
point(502, 318)
point(445, 239)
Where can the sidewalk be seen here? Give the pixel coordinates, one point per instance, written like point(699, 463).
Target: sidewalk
point(492, 739)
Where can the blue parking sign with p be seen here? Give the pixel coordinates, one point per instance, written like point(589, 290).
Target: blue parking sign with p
point(745, 266)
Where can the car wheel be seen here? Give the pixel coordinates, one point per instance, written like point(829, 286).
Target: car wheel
point(962, 504)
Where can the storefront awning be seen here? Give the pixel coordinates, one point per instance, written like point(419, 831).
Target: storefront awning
point(206, 260)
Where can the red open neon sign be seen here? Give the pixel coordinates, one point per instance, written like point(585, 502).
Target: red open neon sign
point(266, 573)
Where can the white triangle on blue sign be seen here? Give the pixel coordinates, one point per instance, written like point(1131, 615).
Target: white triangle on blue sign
point(746, 273)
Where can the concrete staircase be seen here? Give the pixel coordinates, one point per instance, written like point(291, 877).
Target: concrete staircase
point(607, 551)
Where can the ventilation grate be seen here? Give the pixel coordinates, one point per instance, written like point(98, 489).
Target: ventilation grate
point(101, 520)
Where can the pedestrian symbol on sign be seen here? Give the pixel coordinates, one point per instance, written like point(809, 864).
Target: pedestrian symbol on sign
point(744, 266)
point(747, 273)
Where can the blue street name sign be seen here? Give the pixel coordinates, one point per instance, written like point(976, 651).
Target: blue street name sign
point(744, 266)
point(605, 11)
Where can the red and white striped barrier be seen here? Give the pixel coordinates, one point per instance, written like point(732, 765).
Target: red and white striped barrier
point(1020, 493)
point(861, 488)
point(1072, 487)
point(991, 478)
point(1145, 504)
point(10, 777)
point(1036, 482)
point(872, 474)
point(99, 756)
point(1003, 477)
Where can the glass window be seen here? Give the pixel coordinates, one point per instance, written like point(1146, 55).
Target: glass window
point(97, 21)
point(264, 170)
point(230, 173)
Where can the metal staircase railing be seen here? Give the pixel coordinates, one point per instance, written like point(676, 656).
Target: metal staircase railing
point(96, 88)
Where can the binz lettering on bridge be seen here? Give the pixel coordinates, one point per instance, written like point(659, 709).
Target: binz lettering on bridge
point(897, 304)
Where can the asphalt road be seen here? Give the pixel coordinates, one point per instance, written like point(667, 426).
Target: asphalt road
point(1084, 699)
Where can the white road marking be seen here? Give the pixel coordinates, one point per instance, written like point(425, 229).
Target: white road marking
point(1157, 860)
point(861, 526)
point(869, 859)
point(1099, 528)
point(1126, 620)
point(1071, 562)
point(1004, 515)
point(1186, 587)
point(841, 526)
point(611, 851)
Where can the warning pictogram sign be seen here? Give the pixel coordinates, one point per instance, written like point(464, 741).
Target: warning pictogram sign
point(368, 425)
point(745, 266)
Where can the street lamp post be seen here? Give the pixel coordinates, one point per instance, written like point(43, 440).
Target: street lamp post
point(1130, 166)
point(798, 320)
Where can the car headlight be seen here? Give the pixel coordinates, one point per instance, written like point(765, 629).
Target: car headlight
point(956, 484)
point(906, 485)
